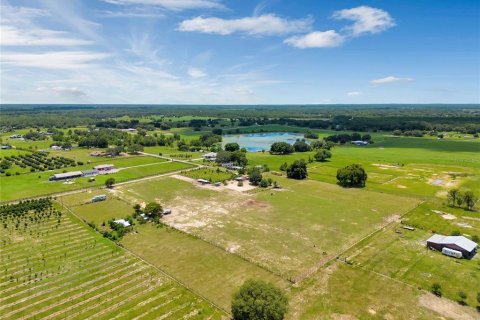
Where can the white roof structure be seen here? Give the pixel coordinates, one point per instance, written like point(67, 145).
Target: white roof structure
point(68, 174)
point(103, 166)
point(460, 241)
point(210, 155)
point(123, 222)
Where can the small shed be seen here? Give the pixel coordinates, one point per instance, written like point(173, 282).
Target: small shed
point(167, 211)
point(66, 175)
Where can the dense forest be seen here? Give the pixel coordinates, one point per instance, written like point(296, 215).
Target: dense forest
point(406, 118)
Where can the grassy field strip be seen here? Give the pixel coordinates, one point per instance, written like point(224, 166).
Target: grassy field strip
point(51, 252)
point(327, 260)
point(163, 306)
point(104, 296)
point(121, 298)
point(91, 278)
point(134, 304)
point(28, 269)
point(76, 292)
point(98, 265)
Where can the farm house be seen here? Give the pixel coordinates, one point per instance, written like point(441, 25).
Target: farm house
point(461, 244)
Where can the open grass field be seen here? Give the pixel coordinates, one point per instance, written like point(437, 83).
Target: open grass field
point(213, 175)
point(35, 184)
point(213, 272)
point(57, 268)
point(402, 254)
point(263, 226)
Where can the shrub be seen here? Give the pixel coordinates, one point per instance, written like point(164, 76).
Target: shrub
point(352, 176)
point(436, 289)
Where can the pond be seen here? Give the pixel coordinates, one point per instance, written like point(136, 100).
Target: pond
point(254, 142)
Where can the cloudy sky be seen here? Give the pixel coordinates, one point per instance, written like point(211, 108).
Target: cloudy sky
point(240, 52)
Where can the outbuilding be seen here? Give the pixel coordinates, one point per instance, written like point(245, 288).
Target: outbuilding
point(90, 173)
point(122, 222)
point(104, 167)
point(66, 175)
point(467, 247)
point(210, 156)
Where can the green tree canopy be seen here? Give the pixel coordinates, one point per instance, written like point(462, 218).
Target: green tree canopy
point(297, 170)
point(352, 176)
point(322, 155)
point(281, 148)
point(153, 209)
point(259, 300)
point(301, 146)
point(255, 176)
point(109, 182)
point(232, 146)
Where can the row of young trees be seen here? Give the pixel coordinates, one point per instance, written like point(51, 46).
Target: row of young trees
point(457, 198)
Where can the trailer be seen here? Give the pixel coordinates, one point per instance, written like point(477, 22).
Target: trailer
point(98, 198)
point(452, 253)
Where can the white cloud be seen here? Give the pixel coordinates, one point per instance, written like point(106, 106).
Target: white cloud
point(316, 39)
point(354, 93)
point(389, 80)
point(52, 60)
point(13, 36)
point(366, 19)
point(196, 73)
point(69, 92)
point(174, 5)
point(268, 24)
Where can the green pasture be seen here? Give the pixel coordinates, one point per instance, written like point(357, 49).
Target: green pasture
point(285, 231)
point(213, 175)
point(402, 254)
point(209, 270)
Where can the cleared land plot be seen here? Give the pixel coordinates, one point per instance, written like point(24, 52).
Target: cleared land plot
point(285, 231)
point(210, 270)
point(343, 292)
point(212, 175)
point(35, 184)
point(404, 255)
point(59, 269)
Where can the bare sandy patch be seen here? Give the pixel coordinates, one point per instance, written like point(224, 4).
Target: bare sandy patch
point(233, 185)
point(386, 166)
point(445, 215)
point(232, 248)
point(447, 308)
point(401, 186)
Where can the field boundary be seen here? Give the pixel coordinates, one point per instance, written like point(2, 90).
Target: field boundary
point(332, 257)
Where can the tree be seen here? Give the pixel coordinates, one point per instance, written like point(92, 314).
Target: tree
point(137, 208)
point(109, 182)
point(135, 148)
point(436, 289)
point(352, 176)
point(322, 155)
point(469, 200)
point(255, 176)
point(301, 146)
point(258, 299)
point(232, 146)
point(264, 183)
point(284, 167)
point(153, 209)
point(310, 135)
point(297, 170)
point(281, 148)
point(452, 196)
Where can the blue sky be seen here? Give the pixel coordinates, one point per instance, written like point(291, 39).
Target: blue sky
point(240, 52)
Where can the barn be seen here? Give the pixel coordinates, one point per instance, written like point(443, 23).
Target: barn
point(462, 244)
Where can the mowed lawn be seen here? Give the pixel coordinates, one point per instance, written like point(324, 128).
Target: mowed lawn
point(285, 231)
point(35, 184)
point(402, 254)
point(207, 269)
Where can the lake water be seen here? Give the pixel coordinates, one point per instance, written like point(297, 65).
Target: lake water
point(254, 142)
